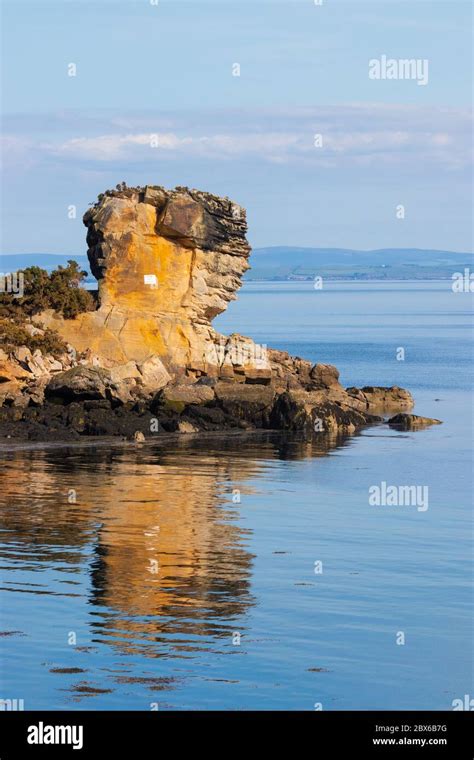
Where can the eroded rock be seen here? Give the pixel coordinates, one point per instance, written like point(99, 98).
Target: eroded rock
point(379, 398)
point(412, 421)
point(148, 359)
point(80, 383)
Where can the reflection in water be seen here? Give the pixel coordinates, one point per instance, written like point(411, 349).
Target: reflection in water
point(157, 530)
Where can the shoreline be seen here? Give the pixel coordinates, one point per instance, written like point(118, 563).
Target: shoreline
point(325, 439)
point(165, 437)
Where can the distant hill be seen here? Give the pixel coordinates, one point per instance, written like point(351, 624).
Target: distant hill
point(292, 263)
point(288, 263)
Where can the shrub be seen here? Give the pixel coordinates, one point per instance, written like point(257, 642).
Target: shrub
point(60, 290)
point(13, 335)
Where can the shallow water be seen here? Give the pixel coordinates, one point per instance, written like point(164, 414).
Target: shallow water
point(182, 574)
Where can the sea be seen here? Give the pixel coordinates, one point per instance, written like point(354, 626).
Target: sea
point(254, 571)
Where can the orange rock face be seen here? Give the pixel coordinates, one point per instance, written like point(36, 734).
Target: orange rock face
point(167, 262)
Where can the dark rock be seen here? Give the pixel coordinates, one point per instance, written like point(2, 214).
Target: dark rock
point(324, 376)
point(412, 421)
point(79, 383)
point(304, 413)
point(246, 402)
point(379, 398)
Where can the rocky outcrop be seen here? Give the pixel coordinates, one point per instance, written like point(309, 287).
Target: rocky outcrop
point(24, 374)
point(412, 421)
point(167, 262)
point(377, 398)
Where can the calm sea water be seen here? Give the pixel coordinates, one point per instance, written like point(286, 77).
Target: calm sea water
point(157, 588)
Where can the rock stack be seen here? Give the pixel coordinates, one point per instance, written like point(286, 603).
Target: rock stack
point(167, 262)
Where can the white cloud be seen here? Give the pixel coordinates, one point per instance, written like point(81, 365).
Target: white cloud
point(358, 135)
point(115, 146)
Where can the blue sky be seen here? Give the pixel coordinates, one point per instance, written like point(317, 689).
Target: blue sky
point(166, 70)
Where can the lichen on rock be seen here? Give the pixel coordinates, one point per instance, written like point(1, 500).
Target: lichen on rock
point(167, 262)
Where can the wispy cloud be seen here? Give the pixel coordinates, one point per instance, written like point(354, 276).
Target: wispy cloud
point(338, 136)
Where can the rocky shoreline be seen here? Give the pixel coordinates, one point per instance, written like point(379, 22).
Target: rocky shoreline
point(50, 399)
point(146, 360)
point(81, 402)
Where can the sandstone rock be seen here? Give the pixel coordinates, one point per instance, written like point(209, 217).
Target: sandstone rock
point(11, 370)
point(412, 421)
point(22, 354)
point(324, 376)
point(229, 393)
point(53, 365)
point(378, 398)
point(168, 262)
point(37, 365)
point(187, 427)
point(257, 376)
point(124, 372)
point(122, 392)
point(13, 379)
point(293, 372)
point(32, 330)
point(35, 392)
point(187, 394)
point(306, 413)
point(80, 383)
point(20, 400)
point(252, 403)
point(153, 374)
point(118, 384)
point(88, 357)
point(9, 391)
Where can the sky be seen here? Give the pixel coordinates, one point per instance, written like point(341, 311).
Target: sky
point(268, 102)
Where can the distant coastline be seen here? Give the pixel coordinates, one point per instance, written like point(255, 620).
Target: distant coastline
point(294, 264)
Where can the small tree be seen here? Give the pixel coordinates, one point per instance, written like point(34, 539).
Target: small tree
point(61, 290)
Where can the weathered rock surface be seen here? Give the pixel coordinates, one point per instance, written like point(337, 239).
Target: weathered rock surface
point(80, 384)
point(167, 262)
point(377, 398)
point(412, 421)
point(148, 360)
point(24, 375)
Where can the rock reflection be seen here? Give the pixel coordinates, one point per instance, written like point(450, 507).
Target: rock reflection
point(157, 528)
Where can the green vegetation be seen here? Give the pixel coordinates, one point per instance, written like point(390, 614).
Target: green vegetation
point(59, 290)
point(13, 335)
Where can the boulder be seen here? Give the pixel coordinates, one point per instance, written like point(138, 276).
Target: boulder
point(153, 374)
point(324, 376)
point(412, 421)
point(187, 394)
point(252, 403)
point(124, 372)
point(310, 414)
point(378, 398)
point(187, 427)
point(80, 383)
